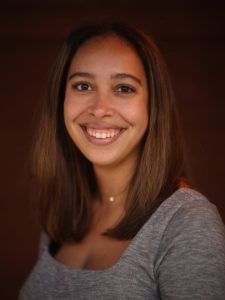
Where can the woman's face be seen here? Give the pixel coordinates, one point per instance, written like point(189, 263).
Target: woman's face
point(106, 98)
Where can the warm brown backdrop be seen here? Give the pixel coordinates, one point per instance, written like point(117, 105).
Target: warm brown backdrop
point(191, 35)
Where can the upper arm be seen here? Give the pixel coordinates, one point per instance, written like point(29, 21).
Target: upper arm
point(191, 264)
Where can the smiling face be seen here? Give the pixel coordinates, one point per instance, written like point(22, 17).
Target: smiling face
point(106, 98)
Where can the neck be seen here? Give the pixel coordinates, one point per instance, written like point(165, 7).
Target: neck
point(114, 181)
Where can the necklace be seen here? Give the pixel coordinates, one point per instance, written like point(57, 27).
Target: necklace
point(112, 197)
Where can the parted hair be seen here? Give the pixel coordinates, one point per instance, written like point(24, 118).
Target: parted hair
point(66, 183)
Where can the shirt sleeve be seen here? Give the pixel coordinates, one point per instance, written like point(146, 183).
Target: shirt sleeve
point(191, 264)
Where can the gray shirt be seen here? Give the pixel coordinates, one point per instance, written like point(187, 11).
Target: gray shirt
point(179, 253)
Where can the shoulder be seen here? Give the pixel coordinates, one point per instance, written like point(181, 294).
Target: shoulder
point(192, 208)
point(185, 197)
point(44, 242)
point(191, 252)
point(185, 220)
point(188, 213)
point(185, 215)
point(186, 204)
point(192, 234)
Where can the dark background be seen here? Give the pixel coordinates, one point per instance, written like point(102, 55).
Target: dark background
point(191, 35)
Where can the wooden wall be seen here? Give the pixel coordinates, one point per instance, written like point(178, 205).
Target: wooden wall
point(191, 35)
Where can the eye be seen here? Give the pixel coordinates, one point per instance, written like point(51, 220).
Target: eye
point(125, 89)
point(82, 86)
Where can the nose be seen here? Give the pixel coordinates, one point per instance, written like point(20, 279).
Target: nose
point(101, 106)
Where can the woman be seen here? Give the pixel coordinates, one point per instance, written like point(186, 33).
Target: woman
point(117, 221)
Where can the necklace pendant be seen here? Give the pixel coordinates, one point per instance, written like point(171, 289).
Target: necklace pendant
point(111, 199)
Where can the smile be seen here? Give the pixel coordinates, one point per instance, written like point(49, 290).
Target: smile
point(103, 133)
point(102, 136)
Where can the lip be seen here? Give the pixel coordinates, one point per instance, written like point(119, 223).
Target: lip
point(100, 126)
point(101, 141)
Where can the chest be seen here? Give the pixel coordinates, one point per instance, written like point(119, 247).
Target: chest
point(127, 280)
point(94, 252)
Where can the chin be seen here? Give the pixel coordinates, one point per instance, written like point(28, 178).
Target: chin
point(103, 162)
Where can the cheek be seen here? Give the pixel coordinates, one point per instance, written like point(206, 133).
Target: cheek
point(72, 109)
point(68, 110)
point(137, 114)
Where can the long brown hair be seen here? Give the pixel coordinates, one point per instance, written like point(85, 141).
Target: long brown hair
point(66, 180)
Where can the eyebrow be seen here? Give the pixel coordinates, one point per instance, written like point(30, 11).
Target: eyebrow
point(125, 75)
point(81, 74)
point(114, 76)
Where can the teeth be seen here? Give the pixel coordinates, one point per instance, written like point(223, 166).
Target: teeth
point(102, 133)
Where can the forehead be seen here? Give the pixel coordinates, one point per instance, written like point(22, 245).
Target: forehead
point(107, 52)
